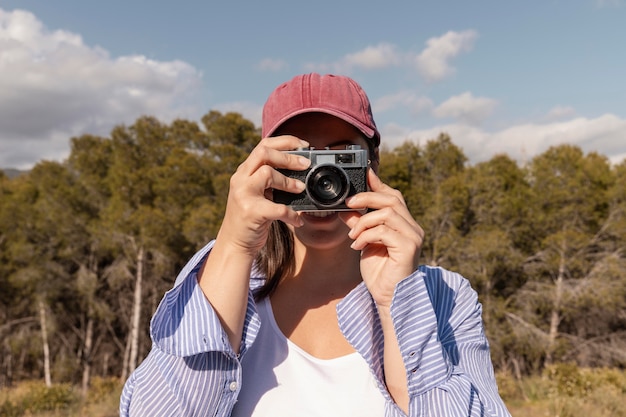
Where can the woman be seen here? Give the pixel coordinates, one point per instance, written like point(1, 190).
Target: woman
point(315, 313)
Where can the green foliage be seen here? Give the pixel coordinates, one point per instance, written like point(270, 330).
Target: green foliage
point(543, 245)
point(431, 178)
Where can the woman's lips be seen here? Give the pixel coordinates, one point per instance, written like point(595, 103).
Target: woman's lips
point(320, 216)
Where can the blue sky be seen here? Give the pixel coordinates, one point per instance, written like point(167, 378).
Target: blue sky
point(498, 76)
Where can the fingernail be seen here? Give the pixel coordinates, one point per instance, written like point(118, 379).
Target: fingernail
point(304, 161)
point(300, 186)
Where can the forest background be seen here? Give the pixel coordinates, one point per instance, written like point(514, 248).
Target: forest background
point(88, 247)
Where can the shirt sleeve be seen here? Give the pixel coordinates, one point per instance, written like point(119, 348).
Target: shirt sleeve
point(438, 320)
point(192, 368)
point(438, 323)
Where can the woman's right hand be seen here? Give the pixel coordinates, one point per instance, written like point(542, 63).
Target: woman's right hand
point(225, 276)
point(250, 209)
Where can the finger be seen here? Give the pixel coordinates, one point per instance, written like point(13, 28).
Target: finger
point(246, 190)
point(376, 184)
point(397, 244)
point(379, 200)
point(385, 217)
point(271, 151)
point(284, 142)
point(265, 156)
point(350, 218)
point(273, 211)
point(380, 195)
point(253, 199)
point(268, 179)
point(271, 179)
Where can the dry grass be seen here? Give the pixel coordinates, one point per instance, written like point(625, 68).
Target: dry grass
point(561, 391)
point(565, 390)
point(33, 399)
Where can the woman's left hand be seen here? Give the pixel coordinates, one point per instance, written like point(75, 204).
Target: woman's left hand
point(388, 237)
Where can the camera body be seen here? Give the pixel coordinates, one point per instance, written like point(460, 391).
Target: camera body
point(333, 176)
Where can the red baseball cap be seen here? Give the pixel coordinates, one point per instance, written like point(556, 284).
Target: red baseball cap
point(336, 95)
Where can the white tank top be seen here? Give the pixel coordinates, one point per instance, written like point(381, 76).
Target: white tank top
point(280, 379)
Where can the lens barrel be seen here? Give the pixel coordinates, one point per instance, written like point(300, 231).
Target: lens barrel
point(327, 185)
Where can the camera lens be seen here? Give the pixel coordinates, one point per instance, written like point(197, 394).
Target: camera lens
point(327, 185)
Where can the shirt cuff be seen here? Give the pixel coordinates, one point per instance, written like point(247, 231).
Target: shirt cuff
point(415, 323)
point(185, 323)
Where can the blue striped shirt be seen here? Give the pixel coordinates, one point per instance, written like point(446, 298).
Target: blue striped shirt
point(192, 369)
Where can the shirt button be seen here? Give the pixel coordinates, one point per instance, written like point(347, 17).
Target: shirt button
point(233, 386)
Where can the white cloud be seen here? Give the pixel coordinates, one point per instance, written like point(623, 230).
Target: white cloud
point(434, 62)
point(414, 103)
point(560, 112)
point(250, 111)
point(525, 141)
point(381, 56)
point(606, 132)
point(272, 65)
point(53, 87)
point(466, 108)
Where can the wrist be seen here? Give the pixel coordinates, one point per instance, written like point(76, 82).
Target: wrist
point(384, 313)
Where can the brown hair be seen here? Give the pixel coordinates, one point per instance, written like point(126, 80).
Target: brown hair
point(276, 259)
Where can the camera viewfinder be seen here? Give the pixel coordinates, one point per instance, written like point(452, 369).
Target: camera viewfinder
point(345, 158)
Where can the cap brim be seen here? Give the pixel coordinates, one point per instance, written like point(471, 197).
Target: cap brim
point(367, 131)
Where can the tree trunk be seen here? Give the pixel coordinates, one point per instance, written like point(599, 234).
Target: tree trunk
point(7, 381)
point(134, 330)
point(555, 317)
point(87, 355)
point(105, 364)
point(125, 361)
point(46, 347)
point(487, 294)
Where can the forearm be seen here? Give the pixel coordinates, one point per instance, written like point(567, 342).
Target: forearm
point(394, 368)
point(224, 280)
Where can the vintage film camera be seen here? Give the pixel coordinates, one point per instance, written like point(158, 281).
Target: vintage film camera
point(333, 176)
